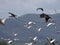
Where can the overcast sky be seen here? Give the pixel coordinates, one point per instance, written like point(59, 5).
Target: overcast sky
point(21, 7)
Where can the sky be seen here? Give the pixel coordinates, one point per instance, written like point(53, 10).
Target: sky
point(21, 7)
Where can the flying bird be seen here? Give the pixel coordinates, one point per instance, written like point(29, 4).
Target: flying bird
point(15, 34)
point(47, 17)
point(12, 15)
point(34, 40)
point(40, 9)
point(2, 21)
point(53, 24)
point(51, 41)
point(29, 24)
point(29, 43)
point(10, 42)
point(39, 29)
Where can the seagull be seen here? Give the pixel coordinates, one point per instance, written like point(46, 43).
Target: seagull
point(12, 15)
point(29, 24)
point(47, 17)
point(34, 40)
point(40, 9)
point(15, 34)
point(39, 29)
point(29, 27)
point(2, 21)
point(29, 43)
point(51, 41)
point(50, 24)
point(16, 39)
point(10, 42)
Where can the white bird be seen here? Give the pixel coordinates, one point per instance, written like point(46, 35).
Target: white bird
point(2, 21)
point(16, 39)
point(34, 38)
point(29, 27)
point(52, 41)
point(29, 43)
point(10, 42)
point(50, 24)
point(15, 34)
point(39, 29)
point(29, 24)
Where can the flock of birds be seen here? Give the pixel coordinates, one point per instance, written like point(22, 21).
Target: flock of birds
point(49, 20)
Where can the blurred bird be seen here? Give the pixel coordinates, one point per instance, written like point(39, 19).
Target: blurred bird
point(39, 9)
point(2, 21)
point(15, 34)
point(54, 24)
point(12, 15)
point(47, 17)
point(16, 39)
point(34, 40)
point(29, 43)
point(29, 24)
point(39, 29)
point(51, 41)
point(10, 42)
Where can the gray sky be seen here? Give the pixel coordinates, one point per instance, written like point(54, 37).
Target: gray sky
point(21, 7)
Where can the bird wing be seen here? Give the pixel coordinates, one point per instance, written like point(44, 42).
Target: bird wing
point(12, 14)
point(40, 9)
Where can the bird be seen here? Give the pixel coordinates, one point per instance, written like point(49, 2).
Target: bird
point(12, 15)
point(16, 39)
point(34, 40)
point(15, 34)
point(51, 41)
point(10, 42)
point(29, 24)
point(39, 29)
point(40, 9)
point(29, 27)
point(49, 24)
point(29, 43)
point(47, 17)
point(2, 21)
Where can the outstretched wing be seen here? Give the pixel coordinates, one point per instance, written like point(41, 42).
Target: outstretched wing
point(12, 15)
point(40, 9)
